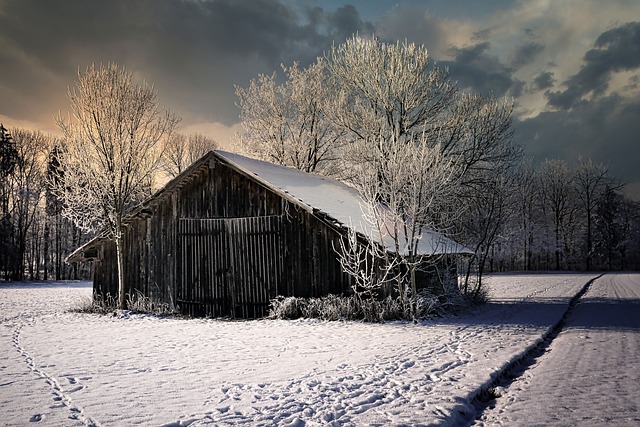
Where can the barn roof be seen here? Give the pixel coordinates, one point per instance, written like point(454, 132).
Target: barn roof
point(329, 199)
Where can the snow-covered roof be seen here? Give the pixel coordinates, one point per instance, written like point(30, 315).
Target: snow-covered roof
point(333, 200)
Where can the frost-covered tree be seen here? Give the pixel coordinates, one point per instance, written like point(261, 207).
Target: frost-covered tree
point(287, 123)
point(557, 195)
point(391, 100)
point(591, 180)
point(111, 151)
point(387, 90)
point(526, 219)
point(383, 104)
point(181, 150)
point(403, 186)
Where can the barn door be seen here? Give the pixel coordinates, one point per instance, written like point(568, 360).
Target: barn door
point(256, 263)
point(204, 288)
point(229, 267)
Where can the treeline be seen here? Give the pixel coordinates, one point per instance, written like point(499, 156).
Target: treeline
point(35, 238)
point(566, 217)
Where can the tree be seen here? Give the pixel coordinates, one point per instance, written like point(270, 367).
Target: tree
point(8, 160)
point(487, 209)
point(391, 99)
point(387, 90)
point(111, 151)
point(181, 150)
point(287, 123)
point(558, 198)
point(592, 180)
point(610, 232)
point(27, 188)
point(401, 186)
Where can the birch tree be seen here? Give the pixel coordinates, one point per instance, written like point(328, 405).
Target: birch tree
point(111, 151)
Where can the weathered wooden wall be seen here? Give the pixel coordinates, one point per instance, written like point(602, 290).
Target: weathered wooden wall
point(222, 244)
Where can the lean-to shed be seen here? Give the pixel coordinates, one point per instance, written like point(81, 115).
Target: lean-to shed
point(231, 233)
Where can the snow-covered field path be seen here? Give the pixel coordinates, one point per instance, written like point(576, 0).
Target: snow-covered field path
point(591, 374)
point(65, 369)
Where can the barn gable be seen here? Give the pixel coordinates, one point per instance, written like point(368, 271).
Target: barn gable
point(230, 233)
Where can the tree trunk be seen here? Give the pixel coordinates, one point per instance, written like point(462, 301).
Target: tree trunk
point(45, 250)
point(589, 240)
point(58, 244)
point(122, 301)
point(557, 254)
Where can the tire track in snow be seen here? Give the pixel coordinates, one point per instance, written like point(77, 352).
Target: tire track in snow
point(484, 397)
point(60, 394)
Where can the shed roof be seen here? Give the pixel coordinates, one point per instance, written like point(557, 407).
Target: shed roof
point(329, 199)
point(334, 200)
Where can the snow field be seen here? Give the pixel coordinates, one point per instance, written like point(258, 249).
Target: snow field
point(589, 375)
point(62, 368)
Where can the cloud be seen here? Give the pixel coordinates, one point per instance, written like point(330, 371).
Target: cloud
point(417, 23)
point(525, 54)
point(605, 130)
point(474, 68)
point(544, 80)
point(193, 51)
point(614, 50)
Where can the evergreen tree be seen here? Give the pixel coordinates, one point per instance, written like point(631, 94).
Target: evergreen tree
point(8, 161)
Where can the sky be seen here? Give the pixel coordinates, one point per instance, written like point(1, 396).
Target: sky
point(572, 67)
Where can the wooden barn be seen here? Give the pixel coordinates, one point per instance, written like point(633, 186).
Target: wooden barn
point(231, 233)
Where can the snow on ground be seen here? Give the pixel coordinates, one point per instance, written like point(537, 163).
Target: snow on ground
point(59, 368)
point(591, 374)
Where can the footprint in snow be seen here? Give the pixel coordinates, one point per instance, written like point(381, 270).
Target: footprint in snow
point(36, 418)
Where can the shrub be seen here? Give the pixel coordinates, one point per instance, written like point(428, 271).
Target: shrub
point(98, 304)
point(356, 307)
point(108, 304)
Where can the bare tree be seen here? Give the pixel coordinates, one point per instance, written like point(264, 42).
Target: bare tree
point(527, 211)
point(287, 123)
point(558, 198)
point(401, 187)
point(591, 180)
point(111, 151)
point(390, 99)
point(385, 91)
point(181, 150)
point(27, 184)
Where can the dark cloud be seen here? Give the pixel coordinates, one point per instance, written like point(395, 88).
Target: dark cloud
point(605, 130)
point(544, 80)
point(194, 51)
point(416, 24)
point(474, 68)
point(525, 54)
point(482, 35)
point(615, 50)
